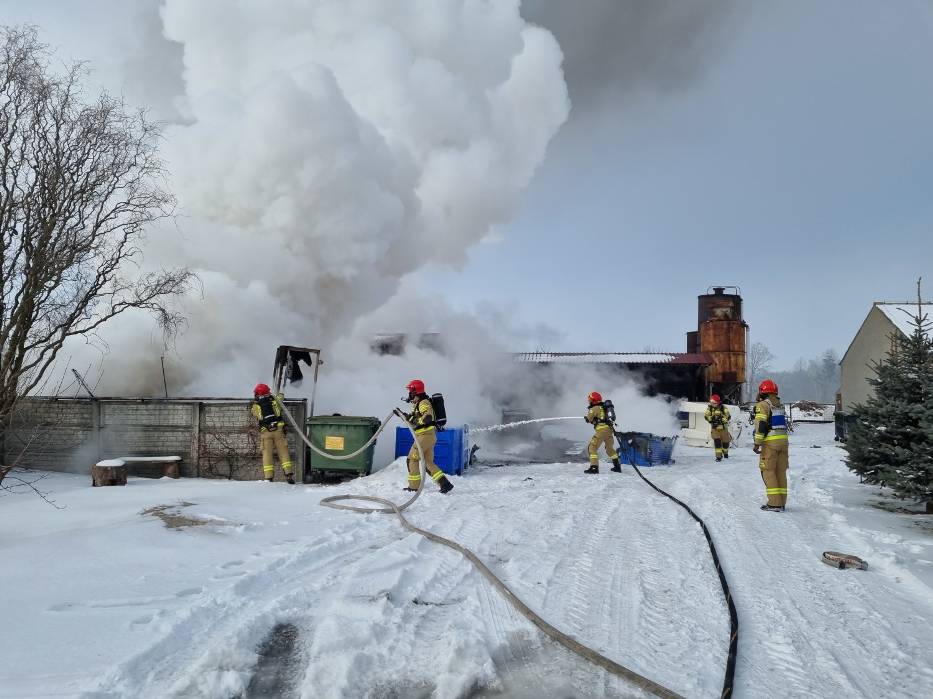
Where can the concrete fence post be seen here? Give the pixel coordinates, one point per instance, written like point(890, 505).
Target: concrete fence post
point(196, 437)
point(96, 408)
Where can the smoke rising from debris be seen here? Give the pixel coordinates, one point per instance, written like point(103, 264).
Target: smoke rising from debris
point(323, 151)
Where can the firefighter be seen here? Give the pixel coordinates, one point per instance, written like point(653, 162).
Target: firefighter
point(265, 408)
point(422, 418)
point(604, 434)
point(771, 444)
point(717, 415)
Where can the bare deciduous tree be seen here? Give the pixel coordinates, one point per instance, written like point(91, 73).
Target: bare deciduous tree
point(759, 362)
point(80, 180)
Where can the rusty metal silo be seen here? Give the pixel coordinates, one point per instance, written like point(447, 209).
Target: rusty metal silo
point(722, 335)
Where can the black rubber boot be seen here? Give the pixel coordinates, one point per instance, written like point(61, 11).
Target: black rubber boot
point(446, 485)
point(718, 459)
point(771, 508)
point(592, 469)
point(410, 490)
point(290, 478)
point(270, 478)
point(725, 455)
point(616, 466)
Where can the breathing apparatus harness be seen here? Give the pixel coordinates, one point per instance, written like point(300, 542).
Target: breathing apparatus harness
point(269, 418)
point(717, 416)
point(609, 413)
point(439, 421)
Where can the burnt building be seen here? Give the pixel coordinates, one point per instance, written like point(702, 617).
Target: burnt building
point(678, 374)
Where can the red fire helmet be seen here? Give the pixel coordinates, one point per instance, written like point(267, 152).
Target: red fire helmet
point(768, 386)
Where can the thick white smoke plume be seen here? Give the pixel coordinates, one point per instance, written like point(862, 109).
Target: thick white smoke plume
point(325, 150)
point(322, 153)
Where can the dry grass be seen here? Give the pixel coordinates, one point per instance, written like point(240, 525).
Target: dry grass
point(172, 518)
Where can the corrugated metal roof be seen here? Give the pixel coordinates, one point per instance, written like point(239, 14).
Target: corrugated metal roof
point(902, 314)
point(614, 358)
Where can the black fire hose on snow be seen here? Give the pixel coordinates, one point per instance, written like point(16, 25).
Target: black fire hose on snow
point(729, 679)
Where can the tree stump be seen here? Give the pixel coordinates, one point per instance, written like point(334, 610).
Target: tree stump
point(108, 473)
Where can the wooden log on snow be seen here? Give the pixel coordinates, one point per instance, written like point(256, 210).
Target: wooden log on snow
point(111, 472)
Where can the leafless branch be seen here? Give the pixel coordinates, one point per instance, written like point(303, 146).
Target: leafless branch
point(80, 182)
point(17, 484)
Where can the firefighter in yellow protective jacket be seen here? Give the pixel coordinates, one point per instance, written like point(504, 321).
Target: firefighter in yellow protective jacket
point(717, 415)
point(422, 417)
point(771, 443)
point(265, 408)
point(599, 418)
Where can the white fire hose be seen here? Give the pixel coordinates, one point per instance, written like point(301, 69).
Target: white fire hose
point(555, 634)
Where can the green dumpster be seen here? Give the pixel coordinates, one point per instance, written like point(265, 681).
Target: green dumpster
point(339, 435)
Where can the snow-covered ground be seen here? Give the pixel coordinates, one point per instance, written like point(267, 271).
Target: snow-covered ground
point(99, 600)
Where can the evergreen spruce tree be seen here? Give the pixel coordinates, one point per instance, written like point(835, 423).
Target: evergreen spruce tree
point(891, 440)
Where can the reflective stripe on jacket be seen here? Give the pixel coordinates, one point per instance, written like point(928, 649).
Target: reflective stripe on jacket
point(770, 421)
point(423, 415)
point(717, 414)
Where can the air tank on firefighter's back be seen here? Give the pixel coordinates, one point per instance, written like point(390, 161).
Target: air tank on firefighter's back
point(722, 335)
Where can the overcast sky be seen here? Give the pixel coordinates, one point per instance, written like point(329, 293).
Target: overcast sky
point(782, 147)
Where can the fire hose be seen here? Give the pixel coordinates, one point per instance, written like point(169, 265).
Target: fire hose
point(390, 507)
point(843, 560)
point(729, 677)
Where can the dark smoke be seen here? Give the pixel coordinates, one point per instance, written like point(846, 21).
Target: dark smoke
point(153, 65)
point(614, 47)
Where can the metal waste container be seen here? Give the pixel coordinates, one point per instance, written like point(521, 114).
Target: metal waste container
point(339, 435)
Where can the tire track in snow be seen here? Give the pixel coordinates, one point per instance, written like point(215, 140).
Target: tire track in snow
point(785, 653)
point(231, 623)
point(410, 598)
point(786, 597)
point(511, 633)
point(781, 648)
point(672, 617)
point(654, 618)
point(793, 652)
point(584, 590)
point(542, 545)
point(595, 521)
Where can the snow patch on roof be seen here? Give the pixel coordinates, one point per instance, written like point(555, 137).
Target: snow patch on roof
point(613, 358)
point(595, 357)
point(902, 314)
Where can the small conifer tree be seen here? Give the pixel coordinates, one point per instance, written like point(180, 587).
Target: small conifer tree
point(890, 442)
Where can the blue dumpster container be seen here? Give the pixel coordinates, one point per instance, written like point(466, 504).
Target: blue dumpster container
point(451, 453)
point(645, 449)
